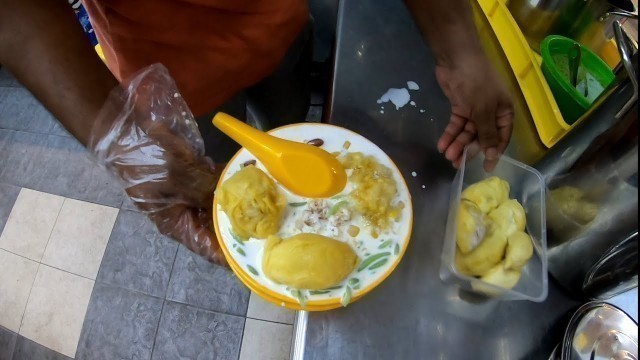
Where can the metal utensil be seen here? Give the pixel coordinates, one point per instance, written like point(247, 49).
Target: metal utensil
point(599, 330)
point(575, 55)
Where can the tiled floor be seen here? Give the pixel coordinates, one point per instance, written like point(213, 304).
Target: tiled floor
point(83, 275)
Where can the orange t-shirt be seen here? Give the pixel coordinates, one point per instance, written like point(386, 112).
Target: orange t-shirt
point(212, 48)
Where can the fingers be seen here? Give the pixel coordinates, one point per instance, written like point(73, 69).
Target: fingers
point(485, 119)
point(454, 128)
point(456, 149)
point(504, 124)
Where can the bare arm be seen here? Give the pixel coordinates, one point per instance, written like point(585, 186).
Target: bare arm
point(481, 108)
point(448, 27)
point(44, 46)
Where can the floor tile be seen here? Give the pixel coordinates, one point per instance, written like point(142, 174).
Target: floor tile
point(8, 196)
point(79, 237)
point(16, 278)
point(7, 343)
point(265, 340)
point(6, 79)
point(59, 130)
point(138, 257)
point(20, 158)
point(187, 333)
point(120, 324)
point(30, 223)
point(264, 310)
point(127, 204)
point(66, 168)
point(19, 110)
point(56, 165)
point(30, 350)
point(56, 309)
point(197, 282)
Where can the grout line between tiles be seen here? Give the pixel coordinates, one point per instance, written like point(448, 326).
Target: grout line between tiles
point(69, 197)
point(155, 334)
point(64, 200)
point(38, 132)
point(270, 321)
point(164, 301)
point(244, 327)
point(28, 298)
point(173, 264)
point(205, 310)
point(53, 267)
point(107, 245)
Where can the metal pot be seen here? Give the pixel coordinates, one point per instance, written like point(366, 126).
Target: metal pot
point(586, 21)
point(598, 330)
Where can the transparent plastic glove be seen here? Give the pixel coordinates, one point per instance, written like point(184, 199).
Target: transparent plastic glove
point(146, 135)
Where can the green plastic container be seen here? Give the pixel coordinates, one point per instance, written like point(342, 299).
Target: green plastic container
point(593, 74)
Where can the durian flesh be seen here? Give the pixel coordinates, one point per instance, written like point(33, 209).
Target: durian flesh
point(487, 194)
point(252, 202)
point(308, 261)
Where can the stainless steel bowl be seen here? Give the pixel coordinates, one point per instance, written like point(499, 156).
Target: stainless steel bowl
point(599, 331)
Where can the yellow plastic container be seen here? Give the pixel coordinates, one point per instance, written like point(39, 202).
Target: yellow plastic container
point(544, 110)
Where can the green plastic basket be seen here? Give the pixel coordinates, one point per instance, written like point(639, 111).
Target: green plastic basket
point(594, 74)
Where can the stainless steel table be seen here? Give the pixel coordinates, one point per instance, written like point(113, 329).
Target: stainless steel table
point(413, 315)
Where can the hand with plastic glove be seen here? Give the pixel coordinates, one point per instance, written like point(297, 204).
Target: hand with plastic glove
point(481, 109)
point(146, 135)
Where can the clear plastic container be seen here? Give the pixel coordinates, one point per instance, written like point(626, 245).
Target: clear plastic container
point(528, 187)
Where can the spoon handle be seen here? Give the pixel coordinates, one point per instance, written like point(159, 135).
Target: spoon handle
point(258, 143)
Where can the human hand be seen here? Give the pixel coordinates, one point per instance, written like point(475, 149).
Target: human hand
point(481, 109)
point(147, 136)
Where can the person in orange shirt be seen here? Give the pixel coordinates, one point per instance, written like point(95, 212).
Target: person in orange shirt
point(221, 54)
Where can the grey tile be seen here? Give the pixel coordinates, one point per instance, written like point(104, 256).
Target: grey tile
point(120, 324)
point(138, 257)
point(127, 204)
point(197, 282)
point(57, 165)
point(6, 79)
point(7, 343)
point(59, 130)
point(20, 152)
point(19, 110)
point(67, 170)
point(30, 350)
point(8, 196)
point(187, 333)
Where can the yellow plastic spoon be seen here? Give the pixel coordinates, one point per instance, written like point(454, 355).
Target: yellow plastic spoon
point(304, 169)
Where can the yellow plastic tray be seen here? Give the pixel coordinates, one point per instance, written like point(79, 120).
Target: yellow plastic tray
point(526, 68)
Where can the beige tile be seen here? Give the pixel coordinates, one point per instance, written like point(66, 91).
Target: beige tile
point(264, 310)
point(79, 237)
point(16, 277)
point(265, 340)
point(56, 309)
point(30, 223)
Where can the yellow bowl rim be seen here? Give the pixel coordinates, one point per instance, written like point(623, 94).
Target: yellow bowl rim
point(270, 295)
